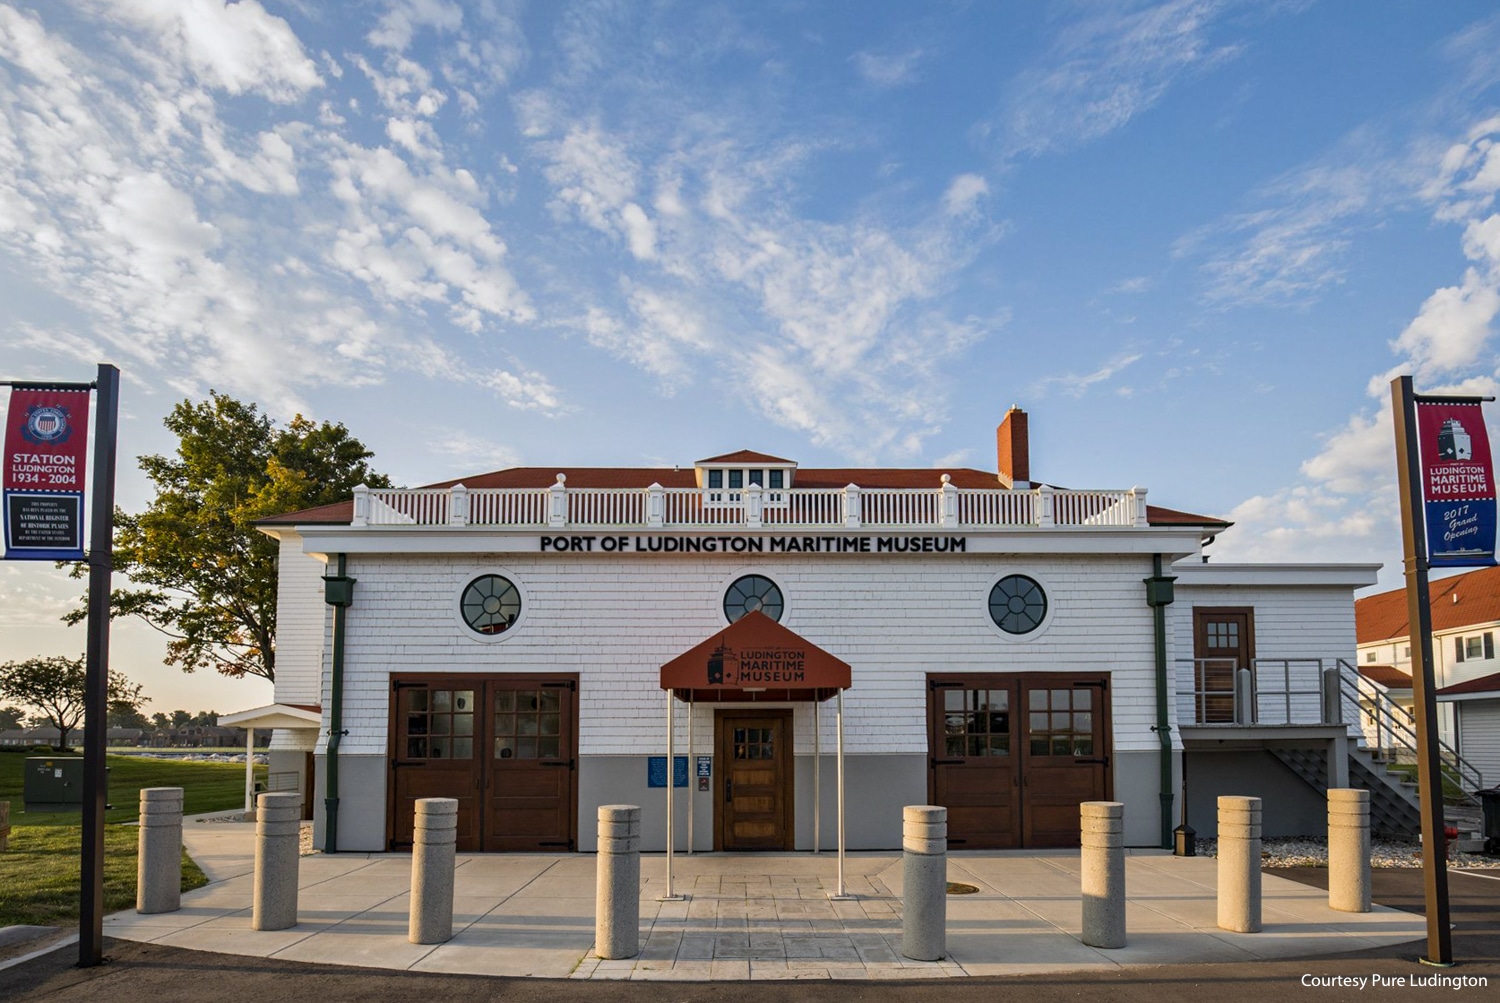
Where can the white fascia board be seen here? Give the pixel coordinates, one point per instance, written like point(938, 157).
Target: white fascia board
point(1352, 576)
point(272, 716)
point(1465, 697)
point(323, 540)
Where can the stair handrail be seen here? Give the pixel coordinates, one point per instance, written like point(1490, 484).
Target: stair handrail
point(1467, 776)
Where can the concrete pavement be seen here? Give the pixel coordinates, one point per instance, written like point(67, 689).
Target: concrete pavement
point(747, 916)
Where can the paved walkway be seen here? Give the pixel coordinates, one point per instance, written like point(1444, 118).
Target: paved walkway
point(760, 916)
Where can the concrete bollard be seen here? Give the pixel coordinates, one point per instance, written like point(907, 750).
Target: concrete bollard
point(617, 902)
point(1239, 864)
point(278, 838)
point(924, 894)
point(1348, 850)
point(434, 839)
point(1102, 834)
point(158, 867)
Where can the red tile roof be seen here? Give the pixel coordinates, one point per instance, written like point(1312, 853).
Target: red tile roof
point(1456, 602)
point(1387, 675)
point(747, 456)
point(1484, 684)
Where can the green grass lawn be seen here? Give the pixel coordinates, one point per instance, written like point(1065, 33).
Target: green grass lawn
point(40, 870)
point(205, 787)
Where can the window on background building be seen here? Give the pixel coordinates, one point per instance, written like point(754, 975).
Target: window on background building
point(1406, 652)
point(1478, 646)
point(757, 477)
point(1369, 656)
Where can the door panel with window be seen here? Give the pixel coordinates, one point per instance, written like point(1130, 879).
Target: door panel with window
point(1223, 643)
point(503, 747)
point(1012, 756)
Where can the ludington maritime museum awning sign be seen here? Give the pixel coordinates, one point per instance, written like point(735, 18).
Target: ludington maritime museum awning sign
point(46, 452)
point(680, 544)
point(1458, 486)
point(756, 655)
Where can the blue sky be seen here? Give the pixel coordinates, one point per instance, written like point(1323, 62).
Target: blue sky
point(1194, 239)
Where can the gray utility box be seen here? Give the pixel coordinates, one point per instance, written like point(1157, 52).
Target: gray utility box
point(54, 783)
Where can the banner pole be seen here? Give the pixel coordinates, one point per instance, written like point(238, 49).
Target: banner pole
point(96, 673)
point(1419, 614)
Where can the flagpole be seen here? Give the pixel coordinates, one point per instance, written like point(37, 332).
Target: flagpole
point(96, 672)
point(1419, 616)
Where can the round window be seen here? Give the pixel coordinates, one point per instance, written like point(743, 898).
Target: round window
point(1017, 604)
point(750, 594)
point(490, 604)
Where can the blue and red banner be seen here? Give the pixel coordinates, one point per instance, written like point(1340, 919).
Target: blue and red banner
point(1458, 484)
point(45, 463)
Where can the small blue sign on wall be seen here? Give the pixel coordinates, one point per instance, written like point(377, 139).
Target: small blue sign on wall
point(656, 771)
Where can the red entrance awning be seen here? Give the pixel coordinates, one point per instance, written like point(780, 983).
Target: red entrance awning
point(755, 659)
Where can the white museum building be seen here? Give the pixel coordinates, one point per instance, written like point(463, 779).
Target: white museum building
point(530, 641)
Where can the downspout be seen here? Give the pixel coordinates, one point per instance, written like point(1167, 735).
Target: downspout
point(1159, 596)
point(338, 592)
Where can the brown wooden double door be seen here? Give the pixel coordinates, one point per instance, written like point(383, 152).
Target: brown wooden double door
point(505, 747)
point(753, 810)
point(1011, 756)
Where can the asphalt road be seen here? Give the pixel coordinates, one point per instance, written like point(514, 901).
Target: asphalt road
point(142, 973)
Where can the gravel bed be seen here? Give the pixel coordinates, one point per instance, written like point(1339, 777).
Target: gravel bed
point(1309, 851)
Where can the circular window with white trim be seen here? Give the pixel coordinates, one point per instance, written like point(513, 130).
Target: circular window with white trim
point(753, 594)
point(490, 605)
point(1018, 605)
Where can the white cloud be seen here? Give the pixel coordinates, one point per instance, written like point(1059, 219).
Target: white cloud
point(238, 47)
point(1102, 71)
point(1345, 504)
point(888, 69)
point(403, 18)
point(964, 193)
point(1076, 384)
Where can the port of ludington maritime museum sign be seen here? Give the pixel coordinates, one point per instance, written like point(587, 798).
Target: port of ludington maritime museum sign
point(683, 544)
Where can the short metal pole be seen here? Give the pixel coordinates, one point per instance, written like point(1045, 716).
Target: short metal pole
point(817, 710)
point(670, 895)
point(843, 891)
point(692, 791)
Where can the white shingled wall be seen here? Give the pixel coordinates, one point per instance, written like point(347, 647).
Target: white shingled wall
point(614, 621)
point(300, 627)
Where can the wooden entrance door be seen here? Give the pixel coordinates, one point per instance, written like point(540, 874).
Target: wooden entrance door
point(754, 808)
point(528, 789)
point(975, 762)
point(1223, 643)
point(503, 747)
point(433, 754)
point(1064, 757)
point(1012, 756)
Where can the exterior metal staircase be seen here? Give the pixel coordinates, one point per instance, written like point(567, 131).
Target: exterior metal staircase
point(1394, 805)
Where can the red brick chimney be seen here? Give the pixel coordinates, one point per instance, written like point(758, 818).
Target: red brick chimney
point(1013, 450)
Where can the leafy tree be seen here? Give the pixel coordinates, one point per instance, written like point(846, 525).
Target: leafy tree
point(54, 687)
point(126, 715)
point(11, 718)
point(160, 721)
point(203, 575)
point(181, 719)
